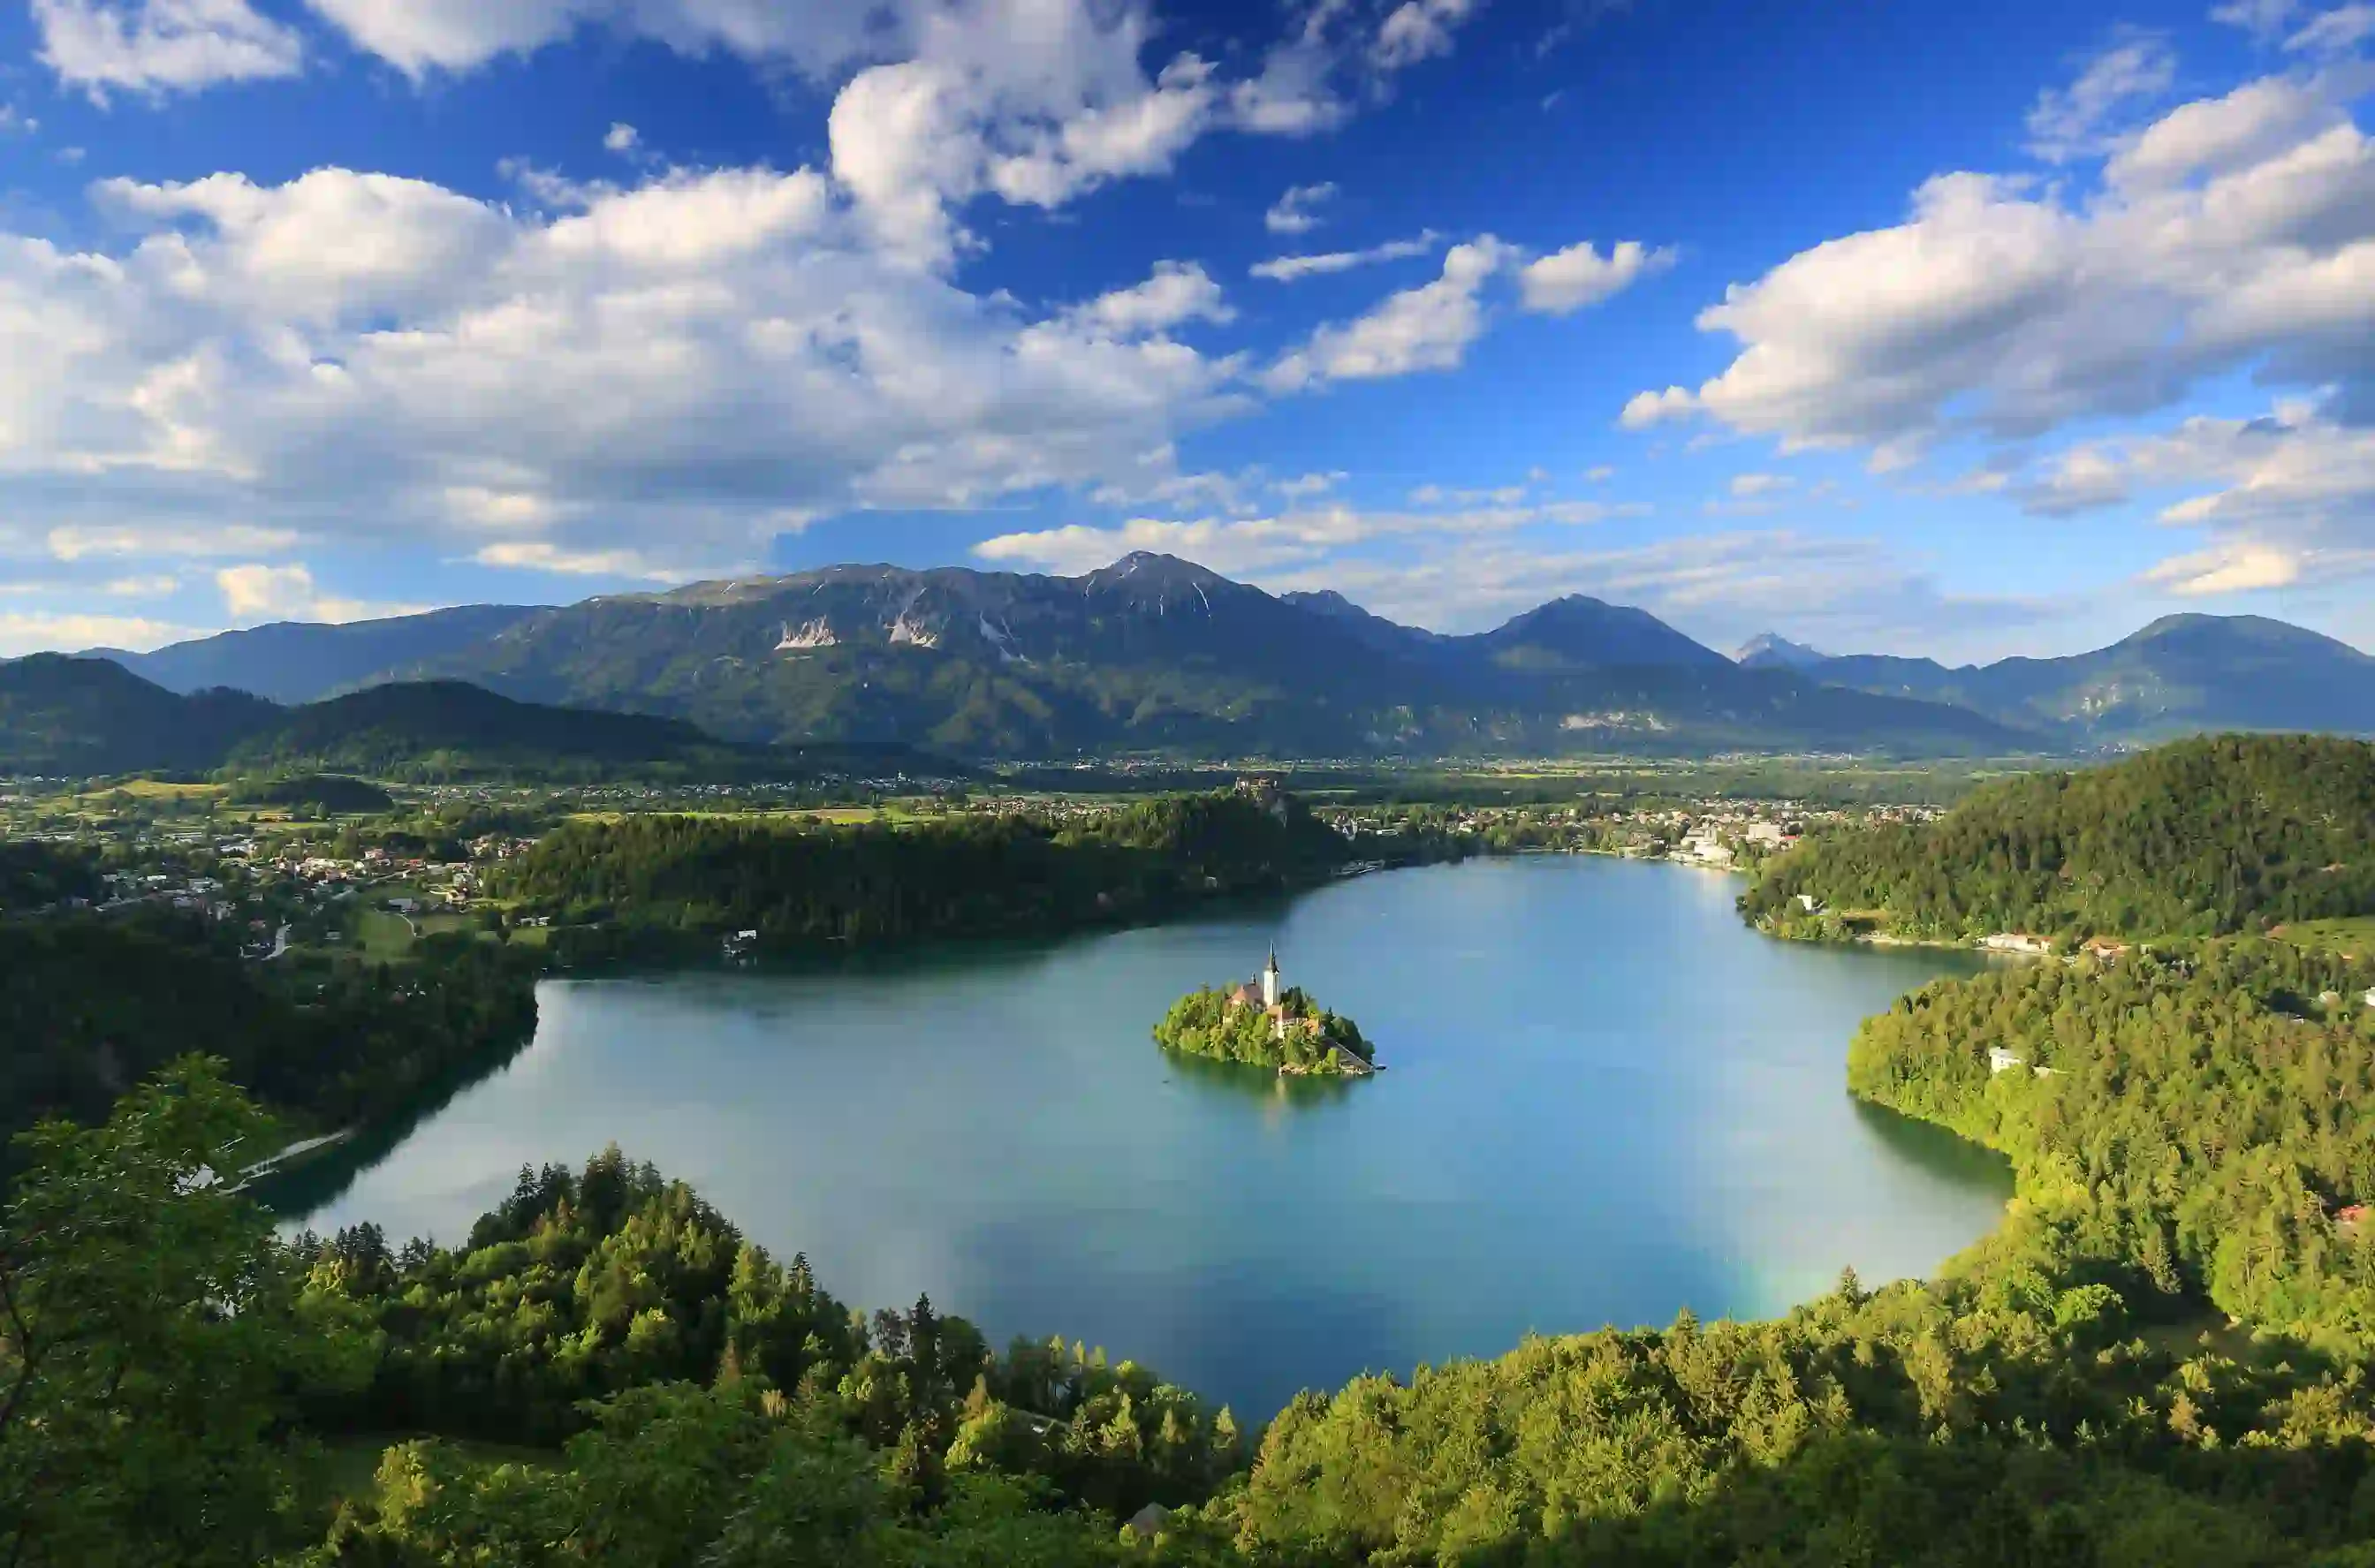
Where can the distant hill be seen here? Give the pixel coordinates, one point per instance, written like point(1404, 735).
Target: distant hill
point(72, 716)
point(2183, 674)
point(1771, 651)
point(299, 662)
point(1155, 653)
point(77, 716)
point(2203, 837)
point(449, 728)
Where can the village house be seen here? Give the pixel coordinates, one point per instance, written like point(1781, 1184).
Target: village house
point(2001, 1060)
point(2018, 942)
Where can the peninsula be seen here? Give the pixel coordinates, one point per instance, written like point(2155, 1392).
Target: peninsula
point(1263, 1023)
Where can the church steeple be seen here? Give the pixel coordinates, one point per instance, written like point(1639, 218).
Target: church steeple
point(1271, 988)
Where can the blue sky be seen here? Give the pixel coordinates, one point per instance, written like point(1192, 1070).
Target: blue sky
point(1909, 327)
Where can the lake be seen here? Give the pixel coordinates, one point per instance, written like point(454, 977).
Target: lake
point(1605, 1100)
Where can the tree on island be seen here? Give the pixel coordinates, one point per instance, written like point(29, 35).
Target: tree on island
point(1263, 1024)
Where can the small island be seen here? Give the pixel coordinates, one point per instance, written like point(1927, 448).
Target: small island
point(1263, 1023)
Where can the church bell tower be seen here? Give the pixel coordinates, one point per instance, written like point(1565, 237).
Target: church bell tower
point(1271, 989)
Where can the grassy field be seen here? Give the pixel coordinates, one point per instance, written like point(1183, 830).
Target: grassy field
point(2353, 936)
point(383, 934)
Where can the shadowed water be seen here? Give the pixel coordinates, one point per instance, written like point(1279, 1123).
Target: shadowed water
point(1605, 1101)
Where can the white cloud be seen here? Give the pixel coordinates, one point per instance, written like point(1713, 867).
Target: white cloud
point(1176, 293)
point(1293, 538)
point(75, 542)
point(1721, 587)
point(2227, 568)
point(1599, 475)
point(1567, 280)
point(256, 593)
point(2262, 18)
point(1643, 409)
point(33, 631)
point(622, 137)
point(1287, 269)
point(160, 46)
point(15, 122)
point(2337, 32)
point(151, 588)
point(2280, 496)
point(2239, 232)
point(1418, 30)
point(1303, 487)
point(1747, 487)
point(538, 555)
point(696, 357)
point(1426, 328)
point(2081, 119)
point(1292, 214)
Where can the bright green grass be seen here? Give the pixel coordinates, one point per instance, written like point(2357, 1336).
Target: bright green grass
point(2353, 936)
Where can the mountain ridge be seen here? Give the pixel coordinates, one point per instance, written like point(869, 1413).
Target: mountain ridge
point(2182, 674)
point(1156, 654)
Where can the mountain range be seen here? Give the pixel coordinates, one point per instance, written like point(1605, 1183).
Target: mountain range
point(2181, 674)
point(1157, 654)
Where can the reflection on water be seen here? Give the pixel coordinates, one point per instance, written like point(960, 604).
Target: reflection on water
point(1605, 1101)
point(1932, 1149)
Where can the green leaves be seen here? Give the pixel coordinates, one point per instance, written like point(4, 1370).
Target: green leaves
point(150, 1337)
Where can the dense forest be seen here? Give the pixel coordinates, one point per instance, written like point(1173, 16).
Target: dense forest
point(1304, 1038)
point(670, 877)
point(2204, 837)
point(35, 876)
point(2193, 1124)
point(91, 1007)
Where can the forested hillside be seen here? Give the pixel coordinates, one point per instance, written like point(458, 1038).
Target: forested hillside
point(2219, 835)
point(972, 875)
point(89, 1008)
point(2193, 1124)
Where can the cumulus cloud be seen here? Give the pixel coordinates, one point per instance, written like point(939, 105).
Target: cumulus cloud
point(686, 358)
point(1426, 328)
point(160, 46)
point(1747, 487)
point(1643, 409)
point(2279, 497)
point(1287, 269)
point(1567, 281)
point(622, 137)
point(16, 121)
point(1175, 294)
point(2235, 232)
point(257, 592)
point(1292, 214)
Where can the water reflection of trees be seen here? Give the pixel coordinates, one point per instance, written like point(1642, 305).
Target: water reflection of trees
point(1936, 1153)
point(314, 1181)
point(1254, 1085)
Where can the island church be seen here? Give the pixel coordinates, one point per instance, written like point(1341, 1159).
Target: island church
point(1267, 992)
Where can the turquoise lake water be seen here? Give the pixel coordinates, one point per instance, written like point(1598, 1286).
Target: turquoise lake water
point(1605, 1100)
